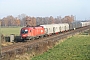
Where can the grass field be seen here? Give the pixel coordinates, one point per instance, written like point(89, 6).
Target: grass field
point(8, 31)
point(74, 48)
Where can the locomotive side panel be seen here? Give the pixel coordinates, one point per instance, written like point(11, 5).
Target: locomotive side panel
point(39, 31)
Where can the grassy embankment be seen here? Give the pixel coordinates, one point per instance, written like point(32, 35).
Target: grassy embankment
point(74, 48)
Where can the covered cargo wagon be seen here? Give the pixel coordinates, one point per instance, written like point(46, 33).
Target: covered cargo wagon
point(48, 29)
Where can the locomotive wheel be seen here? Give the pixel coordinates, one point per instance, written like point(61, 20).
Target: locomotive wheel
point(33, 38)
point(41, 36)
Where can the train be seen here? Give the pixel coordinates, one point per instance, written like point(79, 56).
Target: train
point(32, 33)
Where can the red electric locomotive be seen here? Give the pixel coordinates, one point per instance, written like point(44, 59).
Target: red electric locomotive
point(32, 32)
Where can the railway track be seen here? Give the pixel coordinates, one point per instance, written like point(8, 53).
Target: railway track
point(37, 45)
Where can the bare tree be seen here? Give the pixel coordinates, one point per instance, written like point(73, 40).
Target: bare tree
point(68, 19)
point(4, 22)
point(23, 20)
point(17, 21)
point(51, 20)
point(22, 17)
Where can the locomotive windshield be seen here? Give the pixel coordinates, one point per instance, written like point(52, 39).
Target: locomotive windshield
point(23, 31)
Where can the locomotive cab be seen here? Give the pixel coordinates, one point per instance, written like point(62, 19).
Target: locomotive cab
point(25, 33)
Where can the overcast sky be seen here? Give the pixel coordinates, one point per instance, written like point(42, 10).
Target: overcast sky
point(44, 8)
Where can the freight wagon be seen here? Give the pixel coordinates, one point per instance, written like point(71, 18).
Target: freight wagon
point(55, 28)
point(85, 24)
point(48, 29)
point(74, 25)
